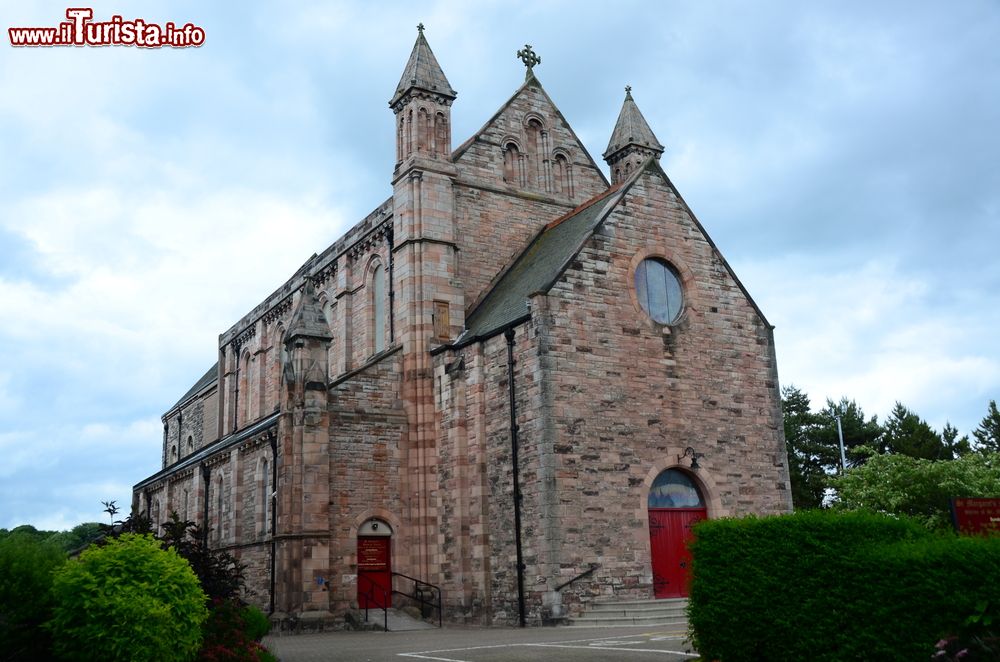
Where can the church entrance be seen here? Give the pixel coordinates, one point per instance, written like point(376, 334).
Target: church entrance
point(374, 565)
point(675, 505)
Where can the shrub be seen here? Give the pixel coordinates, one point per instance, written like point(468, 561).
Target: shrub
point(231, 633)
point(127, 600)
point(26, 566)
point(827, 586)
point(257, 622)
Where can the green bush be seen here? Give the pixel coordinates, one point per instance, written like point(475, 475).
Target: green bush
point(257, 622)
point(127, 600)
point(827, 586)
point(26, 566)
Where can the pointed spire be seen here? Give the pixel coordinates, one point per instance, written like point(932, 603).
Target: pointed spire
point(423, 72)
point(632, 129)
point(308, 318)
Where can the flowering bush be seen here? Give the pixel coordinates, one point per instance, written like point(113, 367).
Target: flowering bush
point(228, 637)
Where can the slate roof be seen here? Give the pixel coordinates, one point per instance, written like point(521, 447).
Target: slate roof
point(540, 265)
point(631, 129)
point(422, 70)
point(207, 379)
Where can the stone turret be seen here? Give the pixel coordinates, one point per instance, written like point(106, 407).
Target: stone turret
point(632, 141)
point(422, 104)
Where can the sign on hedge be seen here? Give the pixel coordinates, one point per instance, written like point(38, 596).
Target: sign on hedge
point(976, 516)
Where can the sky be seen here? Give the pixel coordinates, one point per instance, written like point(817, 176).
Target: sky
point(841, 154)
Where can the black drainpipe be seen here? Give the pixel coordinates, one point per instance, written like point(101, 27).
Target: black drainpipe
point(509, 335)
point(392, 292)
point(206, 473)
point(274, 512)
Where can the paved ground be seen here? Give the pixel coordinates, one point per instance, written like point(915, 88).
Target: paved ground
point(560, 644)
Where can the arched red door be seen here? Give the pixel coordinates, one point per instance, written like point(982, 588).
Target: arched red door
point(675, 505)
point(374, 565)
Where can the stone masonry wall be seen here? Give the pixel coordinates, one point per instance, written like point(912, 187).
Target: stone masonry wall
point(367, 428)
point(629, 395)
point(496, 216)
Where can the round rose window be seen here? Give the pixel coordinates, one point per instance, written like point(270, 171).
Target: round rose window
point(658, 288)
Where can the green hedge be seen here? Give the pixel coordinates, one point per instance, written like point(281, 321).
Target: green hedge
point(828, 586)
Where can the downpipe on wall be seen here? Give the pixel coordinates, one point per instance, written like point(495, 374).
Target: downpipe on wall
point(509, 335)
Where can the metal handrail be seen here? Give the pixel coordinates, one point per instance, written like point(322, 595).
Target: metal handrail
point(370, 595)
point(589, 571)
point(418, 594)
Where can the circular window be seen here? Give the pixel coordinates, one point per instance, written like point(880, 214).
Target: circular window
point(658, 288)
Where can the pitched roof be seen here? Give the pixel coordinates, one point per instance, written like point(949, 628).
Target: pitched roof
point(538, 267)
point(423, 71)
point(206, 380)
point(631, 129)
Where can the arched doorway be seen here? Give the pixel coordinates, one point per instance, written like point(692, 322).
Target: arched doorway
point(675, 504)
point(374, 564)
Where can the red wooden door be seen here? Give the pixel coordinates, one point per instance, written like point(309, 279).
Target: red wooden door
point(669, 534)
point(374, 572)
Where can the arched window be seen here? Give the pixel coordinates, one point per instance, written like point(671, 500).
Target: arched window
point(423, 130)
point(277, 364)
point(378, 308)
point(219, 505)
point(173, 454)
point(674, 489)
point(399, 138)
point(511, 164)
point(190, 444)
point(156, 517)
point(535, 155)
point(263, 498)
point(246, 383)
point(441, 135)
point(563, 183)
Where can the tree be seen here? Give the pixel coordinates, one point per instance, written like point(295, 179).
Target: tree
point(26, 565)
point(127, 600)
point(808, 460)
point(956, 447)
point(904, 485)
point(858, 432)
point(908, 434)
point(988, 433)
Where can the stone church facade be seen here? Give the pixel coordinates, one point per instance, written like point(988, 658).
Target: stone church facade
point(511, 374)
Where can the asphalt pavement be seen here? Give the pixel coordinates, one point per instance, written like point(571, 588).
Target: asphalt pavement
point(462, 644)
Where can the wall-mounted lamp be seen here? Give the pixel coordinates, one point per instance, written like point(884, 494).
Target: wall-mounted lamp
point(689, 452)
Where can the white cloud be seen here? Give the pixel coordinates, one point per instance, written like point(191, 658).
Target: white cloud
point(870, 333)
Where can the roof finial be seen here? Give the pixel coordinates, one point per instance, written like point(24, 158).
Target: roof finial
point(530, 59)
point(420, 28)
point(628, 91)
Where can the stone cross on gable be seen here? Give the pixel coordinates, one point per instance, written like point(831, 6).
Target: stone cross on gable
point(529, 57)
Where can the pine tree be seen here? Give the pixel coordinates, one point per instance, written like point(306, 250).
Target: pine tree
point(988, 433)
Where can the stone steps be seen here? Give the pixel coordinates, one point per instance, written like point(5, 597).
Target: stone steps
point(669, 612)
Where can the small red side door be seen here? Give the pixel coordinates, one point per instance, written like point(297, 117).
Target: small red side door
point(374, 572)
point(669, 534)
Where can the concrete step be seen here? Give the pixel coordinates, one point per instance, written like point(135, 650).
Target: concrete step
point(671, 612)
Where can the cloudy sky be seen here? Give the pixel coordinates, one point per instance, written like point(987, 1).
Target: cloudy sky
point(843, 156)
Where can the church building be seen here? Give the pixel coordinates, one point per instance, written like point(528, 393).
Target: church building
point(513, 385)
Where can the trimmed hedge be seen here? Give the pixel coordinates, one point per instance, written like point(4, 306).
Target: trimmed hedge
point(827, 586)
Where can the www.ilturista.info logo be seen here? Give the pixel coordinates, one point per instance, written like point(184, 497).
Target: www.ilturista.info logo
point(81, 30)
